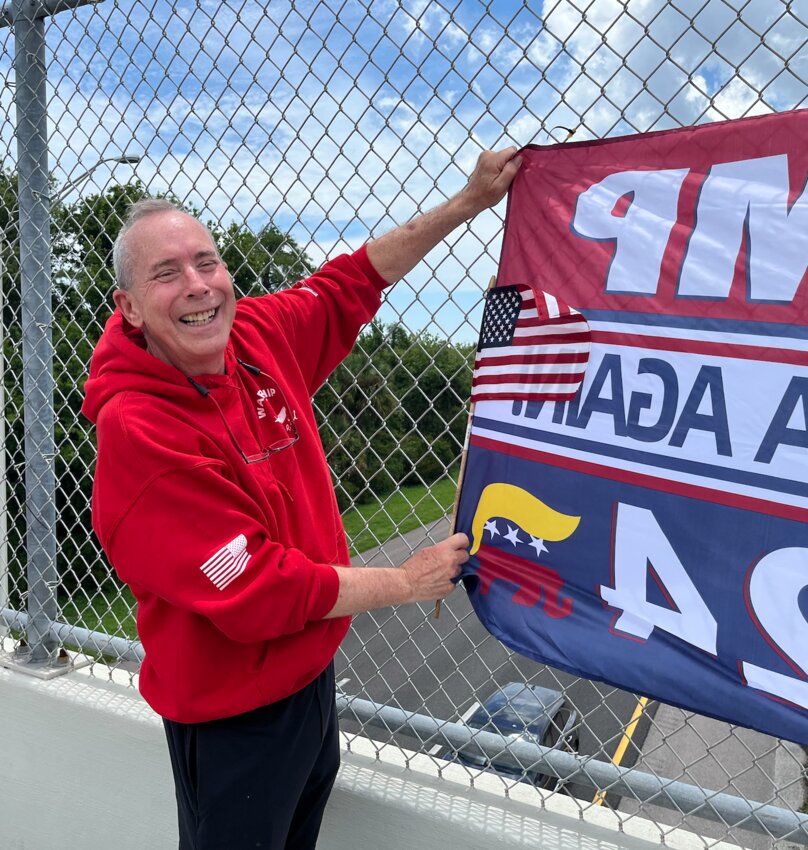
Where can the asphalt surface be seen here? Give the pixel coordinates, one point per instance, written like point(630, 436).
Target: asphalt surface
point(443, 667)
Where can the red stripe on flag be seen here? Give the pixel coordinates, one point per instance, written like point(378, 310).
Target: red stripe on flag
point(528, 359)
point(576, 319)
point(534, 395)
point(527, 378)
point(651, 482)
point(695, 346)
point(578, 338)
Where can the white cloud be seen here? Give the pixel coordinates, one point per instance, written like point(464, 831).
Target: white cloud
point(487, 38)
point(735, 100)
point(340, 127)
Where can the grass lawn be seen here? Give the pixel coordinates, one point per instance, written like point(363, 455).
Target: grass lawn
point(403, 510)
point(112, 613)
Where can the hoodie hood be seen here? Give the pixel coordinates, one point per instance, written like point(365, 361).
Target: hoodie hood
point(120, 363)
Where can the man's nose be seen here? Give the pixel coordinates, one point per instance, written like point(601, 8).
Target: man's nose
point(195, 282)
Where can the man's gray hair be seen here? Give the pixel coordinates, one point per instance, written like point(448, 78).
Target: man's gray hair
point(121, 259)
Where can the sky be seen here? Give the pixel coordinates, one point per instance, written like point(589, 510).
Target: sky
point(339, 120)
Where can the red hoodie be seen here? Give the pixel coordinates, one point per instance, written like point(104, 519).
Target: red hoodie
point(229, 561)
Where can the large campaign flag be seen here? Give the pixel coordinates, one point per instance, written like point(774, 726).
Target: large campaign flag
point(636, 480)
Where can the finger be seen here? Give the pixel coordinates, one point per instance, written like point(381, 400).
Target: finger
point(458, 541)
point(514, 164)
point(508, 172)
point(496, 161)
point(506, 155)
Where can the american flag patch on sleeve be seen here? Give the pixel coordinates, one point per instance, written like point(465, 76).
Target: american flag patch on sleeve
point(228, 563)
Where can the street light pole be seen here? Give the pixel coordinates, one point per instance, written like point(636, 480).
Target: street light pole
point(123, 159)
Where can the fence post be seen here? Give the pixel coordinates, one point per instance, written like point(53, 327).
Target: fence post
point(37, 344)
point(3, 457)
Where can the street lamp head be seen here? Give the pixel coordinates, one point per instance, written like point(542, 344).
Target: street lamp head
point(123, 159)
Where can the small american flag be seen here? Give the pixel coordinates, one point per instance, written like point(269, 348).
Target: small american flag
point(228, 563)
point(532, 347)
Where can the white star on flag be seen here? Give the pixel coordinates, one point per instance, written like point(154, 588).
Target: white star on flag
point(491, 528)
point(228, 563)
point(538, 544)
point(513, 536)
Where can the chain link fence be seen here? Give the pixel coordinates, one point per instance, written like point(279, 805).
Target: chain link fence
point(296, 130)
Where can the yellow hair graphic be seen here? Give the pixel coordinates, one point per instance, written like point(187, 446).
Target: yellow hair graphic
point(528, 512)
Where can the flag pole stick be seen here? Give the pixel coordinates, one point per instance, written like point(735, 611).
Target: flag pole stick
point(463, 456)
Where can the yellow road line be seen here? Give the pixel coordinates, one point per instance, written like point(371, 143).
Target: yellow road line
point(624, 742)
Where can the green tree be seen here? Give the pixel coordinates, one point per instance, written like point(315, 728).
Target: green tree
point(394, 412)
point(83, 277)
point(356, 411)
point(260, 262)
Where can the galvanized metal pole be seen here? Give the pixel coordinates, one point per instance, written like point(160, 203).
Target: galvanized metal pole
point(773, 821)
point(3, 467)
point(37, 344)
point(42, 9)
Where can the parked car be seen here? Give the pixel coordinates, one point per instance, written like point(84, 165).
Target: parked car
point(522, 712)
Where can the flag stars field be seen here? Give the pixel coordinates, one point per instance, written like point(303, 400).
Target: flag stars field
point(536, 543)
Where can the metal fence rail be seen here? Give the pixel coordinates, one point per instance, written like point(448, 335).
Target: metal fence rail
point(297, 129)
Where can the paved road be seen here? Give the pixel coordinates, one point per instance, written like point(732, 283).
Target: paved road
point(719, 757)
point(407, 658)
point(442, 667)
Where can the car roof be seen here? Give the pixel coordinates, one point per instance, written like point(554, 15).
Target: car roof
point(518, 706)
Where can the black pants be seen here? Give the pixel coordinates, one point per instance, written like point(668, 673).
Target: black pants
point(259, 779)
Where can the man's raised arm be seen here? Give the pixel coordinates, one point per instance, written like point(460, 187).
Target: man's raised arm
point(400, 250)
point(428, 574)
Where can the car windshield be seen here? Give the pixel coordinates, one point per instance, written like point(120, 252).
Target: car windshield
point(518, 709)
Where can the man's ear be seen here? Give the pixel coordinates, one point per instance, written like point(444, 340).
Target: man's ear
point(128, 306)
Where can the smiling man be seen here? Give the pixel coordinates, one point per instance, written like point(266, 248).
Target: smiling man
point(213, 501)
point(175, 288)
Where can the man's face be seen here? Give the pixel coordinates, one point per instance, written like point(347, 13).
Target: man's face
point(181, 294)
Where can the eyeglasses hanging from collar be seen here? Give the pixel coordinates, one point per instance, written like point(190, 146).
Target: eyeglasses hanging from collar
point(277, 446)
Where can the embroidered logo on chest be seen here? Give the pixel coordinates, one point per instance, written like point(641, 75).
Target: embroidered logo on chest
point(262, 402)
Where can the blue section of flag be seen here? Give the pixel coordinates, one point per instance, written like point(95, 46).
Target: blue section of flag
point(718, 547)
point(709, 323)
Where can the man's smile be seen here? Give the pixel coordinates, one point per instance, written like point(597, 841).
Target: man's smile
point(201, 318)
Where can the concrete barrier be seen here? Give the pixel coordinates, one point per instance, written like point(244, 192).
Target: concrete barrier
point(85, 766)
